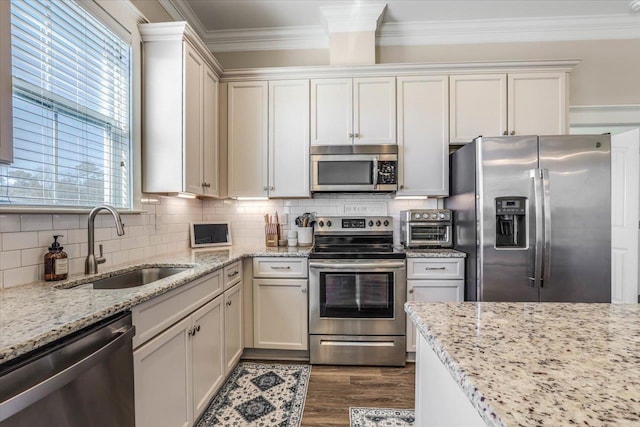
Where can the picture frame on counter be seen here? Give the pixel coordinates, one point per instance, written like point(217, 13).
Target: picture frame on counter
point(210, 233)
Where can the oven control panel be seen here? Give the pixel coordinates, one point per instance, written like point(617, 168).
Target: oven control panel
point(354, 224)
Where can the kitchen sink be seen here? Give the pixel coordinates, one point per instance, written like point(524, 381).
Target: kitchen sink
point(135, 278)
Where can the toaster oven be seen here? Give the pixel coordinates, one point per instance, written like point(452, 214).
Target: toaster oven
point(426, 228)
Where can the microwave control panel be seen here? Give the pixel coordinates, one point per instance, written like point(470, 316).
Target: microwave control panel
point(387, 172)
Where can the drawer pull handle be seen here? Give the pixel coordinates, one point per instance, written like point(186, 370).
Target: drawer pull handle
point(235, 273)
point(229, 303)
point(436, 268)
point(277, 267)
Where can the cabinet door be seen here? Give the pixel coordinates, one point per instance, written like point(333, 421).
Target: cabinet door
point(478, 105)
point(210, 135)
point(331, 111)
point(289, 138)
point(537, 104)
point(232, 327)
point(161, 369)
point(280, 309)
point(431, 291)
point(207, 353)
point(193, 115)
point(423, 135)
point(247, 139)
point(374, 110)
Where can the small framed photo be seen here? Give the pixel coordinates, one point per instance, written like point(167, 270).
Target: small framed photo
point(206, 233)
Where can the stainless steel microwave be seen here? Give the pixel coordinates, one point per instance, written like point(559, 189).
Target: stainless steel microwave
point(354, 168)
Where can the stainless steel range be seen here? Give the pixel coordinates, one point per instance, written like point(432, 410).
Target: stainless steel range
point(357, 289)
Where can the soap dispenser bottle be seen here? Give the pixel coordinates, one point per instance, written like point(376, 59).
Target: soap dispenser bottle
point(56, 265)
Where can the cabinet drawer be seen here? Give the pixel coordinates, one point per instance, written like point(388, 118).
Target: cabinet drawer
point(435, 268)
point(280, 267)
point(157, 314)
point(232, 274)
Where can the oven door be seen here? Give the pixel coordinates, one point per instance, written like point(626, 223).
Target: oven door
point(357, 297)
point(427, 234)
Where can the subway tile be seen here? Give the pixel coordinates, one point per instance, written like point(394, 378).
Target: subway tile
point(22, 240)
point(32, 256)
point(9, 223)
point(45, 238)
point(66, 222)
point(9, 259)
point(35, 222)
point(22, 275)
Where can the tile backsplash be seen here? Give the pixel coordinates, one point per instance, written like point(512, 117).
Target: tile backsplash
point(164, 228)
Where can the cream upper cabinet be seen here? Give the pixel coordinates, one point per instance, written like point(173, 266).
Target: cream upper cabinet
point(288, 152)
point(537, 104)
point(247, 114)
point(180, 144)
point(268, 139)
point(6, 112)
point(478, 106)
point(353, 111)
point(423, 136)
point(513, 104)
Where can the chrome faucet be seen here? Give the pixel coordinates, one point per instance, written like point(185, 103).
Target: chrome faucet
point(91, 262)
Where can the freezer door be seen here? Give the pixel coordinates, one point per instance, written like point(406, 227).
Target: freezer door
point(577, 256)
point(506, 165)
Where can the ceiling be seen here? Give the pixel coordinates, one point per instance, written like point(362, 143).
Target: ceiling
point(237, 25)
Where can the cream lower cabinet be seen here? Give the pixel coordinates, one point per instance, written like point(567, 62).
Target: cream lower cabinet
point(178, 353)
point(433, 280)
point(233, 330)
point(423, 136)
point(178, 372)
point(507, 104)
point(280, 303)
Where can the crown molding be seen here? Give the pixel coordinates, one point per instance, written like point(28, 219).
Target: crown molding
point(605, 27)
point(267, 39)
point(385, 70)
point(604, 115)
point(510, 30)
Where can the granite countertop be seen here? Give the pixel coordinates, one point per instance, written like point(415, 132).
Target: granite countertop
point(36, 314)
point(535, 364)
point(434, 253)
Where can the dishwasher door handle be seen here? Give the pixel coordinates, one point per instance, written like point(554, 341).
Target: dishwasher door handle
point(30, 396)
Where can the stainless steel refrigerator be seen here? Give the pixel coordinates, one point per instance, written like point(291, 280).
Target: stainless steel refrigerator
point(533, 214)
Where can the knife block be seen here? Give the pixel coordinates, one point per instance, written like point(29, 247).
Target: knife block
point(271, 235)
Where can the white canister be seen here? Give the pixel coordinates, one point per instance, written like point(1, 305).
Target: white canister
point(305, 236)
point(292, 242)
point(292, 234)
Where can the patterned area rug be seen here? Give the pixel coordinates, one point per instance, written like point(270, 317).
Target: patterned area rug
point(375, 417)
point(260, 395)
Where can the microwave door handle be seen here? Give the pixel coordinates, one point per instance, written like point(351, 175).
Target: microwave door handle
point(375, 172)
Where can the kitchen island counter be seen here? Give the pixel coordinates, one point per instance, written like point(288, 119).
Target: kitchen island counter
point(36, 314)
point(535, 364)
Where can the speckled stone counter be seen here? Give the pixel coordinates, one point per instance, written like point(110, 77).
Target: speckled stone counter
point(540, 364)
point(36, 314)
point(434, 253)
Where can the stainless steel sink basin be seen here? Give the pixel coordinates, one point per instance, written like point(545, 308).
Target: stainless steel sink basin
point(132, 279)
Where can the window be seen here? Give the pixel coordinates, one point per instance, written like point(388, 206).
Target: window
point(71, 109)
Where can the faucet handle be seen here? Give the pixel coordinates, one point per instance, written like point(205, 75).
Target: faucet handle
point(101, 259)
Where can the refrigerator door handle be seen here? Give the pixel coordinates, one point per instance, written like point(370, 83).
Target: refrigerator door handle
point(547, 227)
point(536, 280)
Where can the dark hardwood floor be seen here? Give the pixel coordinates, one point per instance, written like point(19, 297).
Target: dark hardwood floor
point(333, 389)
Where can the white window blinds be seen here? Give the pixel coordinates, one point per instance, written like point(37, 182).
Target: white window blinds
point(71, 109)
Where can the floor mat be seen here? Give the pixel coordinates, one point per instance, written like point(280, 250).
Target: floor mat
point(260, 395)
point(375, 417)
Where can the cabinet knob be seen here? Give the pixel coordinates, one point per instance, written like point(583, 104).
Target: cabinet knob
point(513, 132)
point(206, 185)
point(229, 303)
point(410, 291)
point(198, 328)
point(350, 135)
point(401, 187)
point(357, 135)
point(303, 290)
point(265, 188)
point(272, 188)
point(191, 332)
point(505, 133)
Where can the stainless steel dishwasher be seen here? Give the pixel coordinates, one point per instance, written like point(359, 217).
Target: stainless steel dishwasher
point(82, 380)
